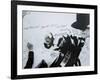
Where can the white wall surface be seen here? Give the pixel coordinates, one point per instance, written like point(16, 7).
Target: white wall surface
point(5, 40)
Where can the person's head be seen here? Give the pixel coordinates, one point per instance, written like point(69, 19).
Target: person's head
point(49, 40)
point(82, 41)
point(63, 41)
point(29, 46)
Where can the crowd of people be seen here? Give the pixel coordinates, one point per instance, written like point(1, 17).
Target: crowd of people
point(69, 47)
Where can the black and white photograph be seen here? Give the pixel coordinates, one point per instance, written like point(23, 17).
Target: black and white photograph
point(53, 39)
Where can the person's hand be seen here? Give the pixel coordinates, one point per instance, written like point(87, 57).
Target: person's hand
point(30, 46)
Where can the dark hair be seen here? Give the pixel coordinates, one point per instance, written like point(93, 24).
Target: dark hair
point(51, 38)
